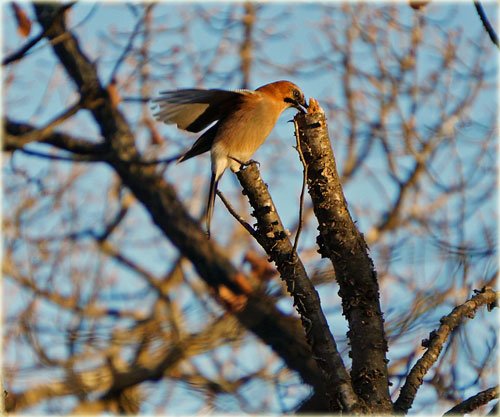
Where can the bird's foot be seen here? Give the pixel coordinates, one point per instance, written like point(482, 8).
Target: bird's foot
point(250, 162)
point(245, 164)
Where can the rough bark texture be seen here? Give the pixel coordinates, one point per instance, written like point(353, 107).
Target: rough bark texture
point(274, 239)
point(474, 402)
point(341, 242)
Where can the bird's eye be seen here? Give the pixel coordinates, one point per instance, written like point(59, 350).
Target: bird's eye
point(297, 95)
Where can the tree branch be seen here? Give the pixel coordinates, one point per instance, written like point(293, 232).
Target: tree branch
point(474, 402)
point(233, 213)
point(340, 241)
point(16, 56)
point(486, 23)
point(108, 380)
point(271, 235)
point(435, 343)
point(247, 45)
point(17, 135)
point(255, 311)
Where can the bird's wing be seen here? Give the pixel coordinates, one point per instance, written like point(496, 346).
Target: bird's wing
point(202, 145)
point(193, 110)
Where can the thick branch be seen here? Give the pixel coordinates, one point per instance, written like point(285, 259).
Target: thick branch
point(82, 71)
point(435, 344)
point(272, 236)
point(340, 241)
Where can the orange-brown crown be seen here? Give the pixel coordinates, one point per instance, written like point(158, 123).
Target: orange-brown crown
point(284, 91)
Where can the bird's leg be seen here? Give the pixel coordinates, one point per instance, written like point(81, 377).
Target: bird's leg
point(245, 164)
point(250, 162)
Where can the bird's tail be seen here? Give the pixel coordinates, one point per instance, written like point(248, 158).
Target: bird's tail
point(175, 158)
point(211, 201)
point(180, 157)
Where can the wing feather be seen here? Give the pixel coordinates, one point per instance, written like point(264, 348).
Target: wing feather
point(193, 109)
point(202, 145)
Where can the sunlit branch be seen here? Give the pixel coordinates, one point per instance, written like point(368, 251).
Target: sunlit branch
point(435, 343)
point(474, 402)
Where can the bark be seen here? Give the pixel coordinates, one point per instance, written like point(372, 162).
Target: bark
point(273, 237)
point(474, 402)
point(341, 242)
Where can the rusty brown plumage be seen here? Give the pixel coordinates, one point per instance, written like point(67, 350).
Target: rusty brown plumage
point(244, 119)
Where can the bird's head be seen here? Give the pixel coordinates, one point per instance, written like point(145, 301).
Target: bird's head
point(286, 92)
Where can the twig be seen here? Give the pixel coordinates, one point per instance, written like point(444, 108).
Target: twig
point(22, 51)
point(486, 23)
point(302, 191)
point(15, 133)
point(130, 43)
point(233, 213)
point(474, 402)
point(28, 45)
point(73, 158)
point(435, 343)
point(167, 160)
point(38, 135)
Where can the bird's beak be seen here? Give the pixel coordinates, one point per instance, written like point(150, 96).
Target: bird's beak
point(301, 106)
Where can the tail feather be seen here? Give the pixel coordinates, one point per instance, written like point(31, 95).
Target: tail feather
point(211, 201)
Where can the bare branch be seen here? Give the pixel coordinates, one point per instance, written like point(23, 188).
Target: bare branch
point(435, 343)
point(474, 402)
point(109, 379)
point(271, 234)
point(233, 213)
point(135, 32)
point(340, 241)
point(486, 23)
point(16, 56)
point(247, 45)
point(17, 135)
point(302, 190)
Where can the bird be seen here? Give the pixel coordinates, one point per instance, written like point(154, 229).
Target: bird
point(244, 119)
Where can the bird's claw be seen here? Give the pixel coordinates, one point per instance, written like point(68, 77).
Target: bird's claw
point(250, 162)
point(245, 164)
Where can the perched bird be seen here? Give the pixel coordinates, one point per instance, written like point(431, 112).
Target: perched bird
point(244, 120)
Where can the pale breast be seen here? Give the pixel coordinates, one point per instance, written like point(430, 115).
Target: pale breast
point(247, 128)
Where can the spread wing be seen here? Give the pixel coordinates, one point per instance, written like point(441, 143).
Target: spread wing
point(193, 109)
